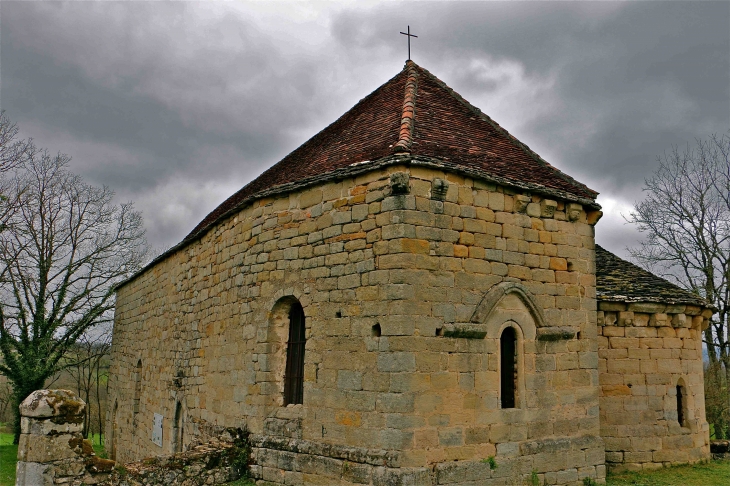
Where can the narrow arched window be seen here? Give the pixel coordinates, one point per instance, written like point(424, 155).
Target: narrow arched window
point(508, 368)
point(294, 374)
point(137, 386)
point(178, 432)
point(114, 432)
point(680, 405)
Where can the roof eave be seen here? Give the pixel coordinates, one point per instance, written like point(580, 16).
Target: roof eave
point(358, 168)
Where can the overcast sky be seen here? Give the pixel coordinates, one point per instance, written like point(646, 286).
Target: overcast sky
point(175, 106)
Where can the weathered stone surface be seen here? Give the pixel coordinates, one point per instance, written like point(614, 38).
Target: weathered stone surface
point(36, 426)
point(47, 448)
point(33, 474)
point(51, 449)
point(60, 404)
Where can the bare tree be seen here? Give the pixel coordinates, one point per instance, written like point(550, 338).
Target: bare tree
point(65, 247)
point(86, 358)
point(685, 218)
point(12, 150)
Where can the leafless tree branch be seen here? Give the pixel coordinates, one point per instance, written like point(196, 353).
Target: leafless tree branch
point(685, 218)
point(64, 246)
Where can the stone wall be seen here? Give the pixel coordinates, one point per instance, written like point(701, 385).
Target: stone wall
point(646, 351)
point(407, 276)
point(279, 461)
point(51, 448)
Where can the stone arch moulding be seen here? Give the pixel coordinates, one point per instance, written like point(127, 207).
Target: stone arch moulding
point(497, 293)
point(534, 327)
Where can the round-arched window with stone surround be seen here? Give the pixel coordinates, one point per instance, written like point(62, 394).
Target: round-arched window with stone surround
point(287, 339)
point(294, 371)
point(511, 363)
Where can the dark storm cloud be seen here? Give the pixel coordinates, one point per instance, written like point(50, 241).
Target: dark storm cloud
point(148, 95)
point(176, 105)
point(115, 84)
point(629, 78)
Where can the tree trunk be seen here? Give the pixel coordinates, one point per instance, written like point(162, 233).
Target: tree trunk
point(710, 343)
point(726, 388)
point(98, 400)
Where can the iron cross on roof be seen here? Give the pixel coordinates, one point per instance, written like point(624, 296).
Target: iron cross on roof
point(409, 40)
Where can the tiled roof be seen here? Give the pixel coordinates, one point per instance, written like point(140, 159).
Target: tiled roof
point(412, 114)
point(621, 281)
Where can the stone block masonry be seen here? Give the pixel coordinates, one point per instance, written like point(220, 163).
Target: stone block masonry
point(406, 297)
point(51, 449)
point(652, 391)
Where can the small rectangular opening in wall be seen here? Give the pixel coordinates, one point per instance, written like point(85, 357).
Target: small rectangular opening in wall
point(376, 331)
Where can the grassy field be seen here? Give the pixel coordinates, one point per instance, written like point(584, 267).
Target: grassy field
point(98, 447)
point(716, 473)
point(8, 453)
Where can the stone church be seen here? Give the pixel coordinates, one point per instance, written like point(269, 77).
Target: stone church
point(412, 297)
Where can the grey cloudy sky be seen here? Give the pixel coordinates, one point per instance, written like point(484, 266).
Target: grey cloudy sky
point(177, 105)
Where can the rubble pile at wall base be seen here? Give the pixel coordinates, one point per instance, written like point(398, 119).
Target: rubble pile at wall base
point(218, 461)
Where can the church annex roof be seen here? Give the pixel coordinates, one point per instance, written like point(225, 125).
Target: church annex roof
point(621, 281)
point(412, 118)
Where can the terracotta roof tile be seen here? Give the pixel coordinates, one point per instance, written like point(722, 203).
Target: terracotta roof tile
point(405, 136)
point(416, 113)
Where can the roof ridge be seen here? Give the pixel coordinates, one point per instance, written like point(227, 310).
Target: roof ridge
point(405, 134)
point(527, 150)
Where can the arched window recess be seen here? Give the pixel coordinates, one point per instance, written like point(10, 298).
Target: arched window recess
point(508, 368)
point(294, 372)
point(681, 403)
point(137, 387)
point(179, 427)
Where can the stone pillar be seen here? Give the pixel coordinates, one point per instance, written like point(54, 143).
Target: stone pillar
point(50, 445)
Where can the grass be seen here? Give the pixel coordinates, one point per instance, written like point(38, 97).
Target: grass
point(715, 473)
point(241, 482)
point(98, 446)
point(8, 455)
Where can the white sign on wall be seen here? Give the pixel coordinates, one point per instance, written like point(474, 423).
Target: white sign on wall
point(157, 430)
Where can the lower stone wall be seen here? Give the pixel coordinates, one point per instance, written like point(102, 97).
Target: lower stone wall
point(646, 352)
point(281, 461)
